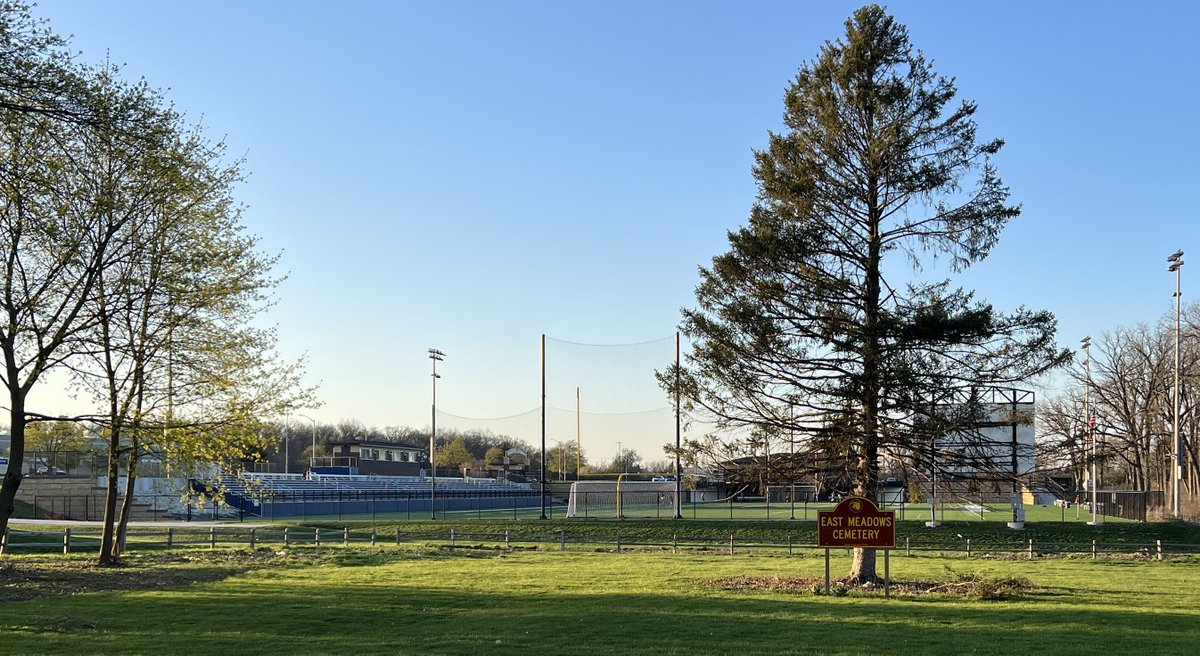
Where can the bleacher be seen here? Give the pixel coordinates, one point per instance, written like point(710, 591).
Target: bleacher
point(290, 494)
point(297, 485)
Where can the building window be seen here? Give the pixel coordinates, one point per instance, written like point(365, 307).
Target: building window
point(387, 455)
point(404, 456)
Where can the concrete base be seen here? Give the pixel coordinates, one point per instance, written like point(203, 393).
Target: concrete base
point(933, 524)
point(1095, 523)
point(1016, 525)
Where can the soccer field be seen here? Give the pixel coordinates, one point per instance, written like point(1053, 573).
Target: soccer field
point(431, 600)
point(743, 511)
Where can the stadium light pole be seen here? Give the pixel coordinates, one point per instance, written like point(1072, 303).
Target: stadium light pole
point(678, 437)
point(1176, 260)
point(542, 459)
point(562, 458)
point(435, 356)
point(1088, 424)
point(286, 453)
point(312, 456)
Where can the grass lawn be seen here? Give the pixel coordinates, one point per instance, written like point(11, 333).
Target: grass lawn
point(751, 511)
point(431, 600)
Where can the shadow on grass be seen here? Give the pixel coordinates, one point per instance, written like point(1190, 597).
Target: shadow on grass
point(365, 610)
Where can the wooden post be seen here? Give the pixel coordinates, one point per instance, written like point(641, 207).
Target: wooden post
point(674, 543)
point(907, 548)
point(170, 537)
point(67, 540)
point(1158, 544)
point(452, 543)
point(317, 538)
point(887, 573)
point(397, 536)
point(507, 546)
point(372, 536)
point(789, 544)
point(826, 570)
point(731, 544)
point(562, 540)
point(1093, 548)
point(1030, 548)
point(346, 536)
point(618, 543)
point(286, 539)
point(253, 538)
point(968, 547)
point(212, 537)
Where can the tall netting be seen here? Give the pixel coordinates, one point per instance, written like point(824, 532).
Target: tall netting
point(607, 397)
point(523, 427)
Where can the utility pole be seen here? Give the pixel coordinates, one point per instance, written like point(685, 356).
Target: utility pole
point(1176, 260)
point(435, 356)
point(1089, 425)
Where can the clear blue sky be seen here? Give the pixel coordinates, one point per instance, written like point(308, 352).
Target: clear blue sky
point(469, 175)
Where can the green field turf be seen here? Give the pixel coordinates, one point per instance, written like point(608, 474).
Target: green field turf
point(427, 600)
point(743, 511)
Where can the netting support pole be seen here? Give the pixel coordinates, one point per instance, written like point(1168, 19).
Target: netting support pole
point(578, 435)
point(542, 478)
point(678, 434)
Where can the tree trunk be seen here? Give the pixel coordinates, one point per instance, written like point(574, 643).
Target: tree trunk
point(110, 499)
point(862, 570)
point(127, 502)
point(16, 456)
point(863, 567)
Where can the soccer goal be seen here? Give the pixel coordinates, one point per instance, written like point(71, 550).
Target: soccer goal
point(621, 498)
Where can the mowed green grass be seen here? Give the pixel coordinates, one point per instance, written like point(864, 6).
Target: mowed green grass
point(742, 511)
point(431, 600)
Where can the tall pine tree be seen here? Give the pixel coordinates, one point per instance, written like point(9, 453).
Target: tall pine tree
point(798, 331)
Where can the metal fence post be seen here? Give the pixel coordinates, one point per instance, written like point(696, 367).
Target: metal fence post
point(285, 538)
point(346, 536)
point(506, 543)
point(1030, 548)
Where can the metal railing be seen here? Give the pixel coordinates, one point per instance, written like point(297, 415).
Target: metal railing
point(87, 539)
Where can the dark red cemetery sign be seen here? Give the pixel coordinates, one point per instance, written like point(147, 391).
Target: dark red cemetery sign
point(856, 522)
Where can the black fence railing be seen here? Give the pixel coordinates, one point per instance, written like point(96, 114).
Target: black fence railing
point(141, 538)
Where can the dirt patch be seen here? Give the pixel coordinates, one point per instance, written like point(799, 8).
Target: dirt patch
point(961, 585)
point(34, 577)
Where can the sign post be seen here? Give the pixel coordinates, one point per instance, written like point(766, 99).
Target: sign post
point(858, 523)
